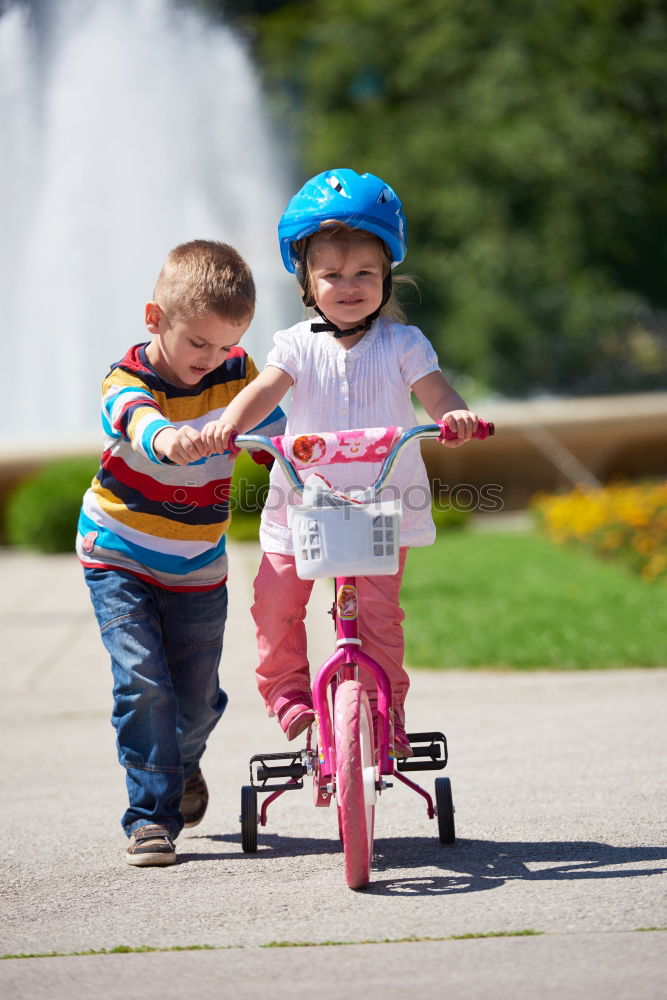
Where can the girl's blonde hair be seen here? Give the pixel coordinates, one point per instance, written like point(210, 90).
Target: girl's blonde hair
point(344, 235)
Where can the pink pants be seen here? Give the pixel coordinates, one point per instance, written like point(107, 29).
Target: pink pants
point(279, 612)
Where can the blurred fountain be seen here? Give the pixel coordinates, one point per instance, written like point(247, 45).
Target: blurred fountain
point(126, 127)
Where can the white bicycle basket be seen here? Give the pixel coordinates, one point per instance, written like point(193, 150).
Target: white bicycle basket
point(348, 539)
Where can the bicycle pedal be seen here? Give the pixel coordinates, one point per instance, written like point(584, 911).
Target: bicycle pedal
point(429, 753)
point(267, 775)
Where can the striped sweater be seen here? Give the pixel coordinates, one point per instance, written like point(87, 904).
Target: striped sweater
point(162, 522)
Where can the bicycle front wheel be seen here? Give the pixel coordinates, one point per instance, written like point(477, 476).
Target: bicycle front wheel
point(355, 780)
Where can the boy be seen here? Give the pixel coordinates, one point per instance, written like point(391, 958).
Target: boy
point(151, 536)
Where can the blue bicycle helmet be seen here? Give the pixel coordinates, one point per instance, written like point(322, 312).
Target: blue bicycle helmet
point(362, 201)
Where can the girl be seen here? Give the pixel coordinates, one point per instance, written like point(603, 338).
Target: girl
point(354, 365)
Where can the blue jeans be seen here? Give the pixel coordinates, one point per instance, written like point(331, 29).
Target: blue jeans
point(165, 649)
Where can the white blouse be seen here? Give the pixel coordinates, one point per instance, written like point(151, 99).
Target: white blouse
point(334, 389)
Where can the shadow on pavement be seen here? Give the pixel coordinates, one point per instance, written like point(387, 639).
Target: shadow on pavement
point(471, 865)
point(482, 864)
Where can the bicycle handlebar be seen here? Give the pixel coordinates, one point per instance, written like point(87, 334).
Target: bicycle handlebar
point(377, 444)
point(484, 429)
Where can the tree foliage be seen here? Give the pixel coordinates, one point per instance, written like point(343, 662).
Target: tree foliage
point(528, 142)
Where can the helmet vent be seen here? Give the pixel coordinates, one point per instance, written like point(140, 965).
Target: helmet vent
point(385, 195)
point(334, 183)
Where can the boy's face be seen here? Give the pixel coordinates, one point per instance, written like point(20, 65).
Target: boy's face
point(184, 351)
point(346, 278)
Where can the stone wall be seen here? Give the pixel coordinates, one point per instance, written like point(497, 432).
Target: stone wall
point(553, 445)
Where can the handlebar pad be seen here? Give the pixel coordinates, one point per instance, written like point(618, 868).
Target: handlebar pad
point(370, 444)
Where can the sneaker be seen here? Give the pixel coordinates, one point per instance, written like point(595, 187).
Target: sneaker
point(151, 845)
point(402, 747)
point(195, 799)
point(295, 718)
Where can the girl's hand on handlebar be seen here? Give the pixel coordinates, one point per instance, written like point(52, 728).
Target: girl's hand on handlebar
point(216, 435)
point(463, 423)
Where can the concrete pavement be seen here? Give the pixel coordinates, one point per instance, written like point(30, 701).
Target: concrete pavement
point(559, 784)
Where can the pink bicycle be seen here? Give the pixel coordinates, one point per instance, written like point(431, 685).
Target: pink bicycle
point(345, 537)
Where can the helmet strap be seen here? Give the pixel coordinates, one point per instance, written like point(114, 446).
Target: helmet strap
point(328, 327)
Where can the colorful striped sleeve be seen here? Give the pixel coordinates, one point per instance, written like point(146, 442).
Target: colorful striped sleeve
point(131, 412)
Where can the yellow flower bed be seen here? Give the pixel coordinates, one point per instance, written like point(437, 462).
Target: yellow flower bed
point(628, 522)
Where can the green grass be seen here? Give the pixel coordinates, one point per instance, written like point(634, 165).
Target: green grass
point(518, 601)
point(124, 949)
point(410, 939)
point(120, 949)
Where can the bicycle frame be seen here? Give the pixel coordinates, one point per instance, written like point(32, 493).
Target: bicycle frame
point(343, 665)
point(348, 657)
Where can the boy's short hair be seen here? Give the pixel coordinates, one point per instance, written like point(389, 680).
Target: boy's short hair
point(205, 276)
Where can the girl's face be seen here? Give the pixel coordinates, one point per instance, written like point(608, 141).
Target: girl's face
point(346, 278)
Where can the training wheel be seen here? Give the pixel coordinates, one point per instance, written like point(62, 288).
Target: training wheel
point(248, 819)
point(445, 809)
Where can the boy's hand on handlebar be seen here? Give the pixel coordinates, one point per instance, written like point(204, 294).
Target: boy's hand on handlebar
point(463, 423)
point(180, 445)
point(216, 435)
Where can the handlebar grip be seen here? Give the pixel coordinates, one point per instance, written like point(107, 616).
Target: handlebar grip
point(231, 444)
point(484, 429)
